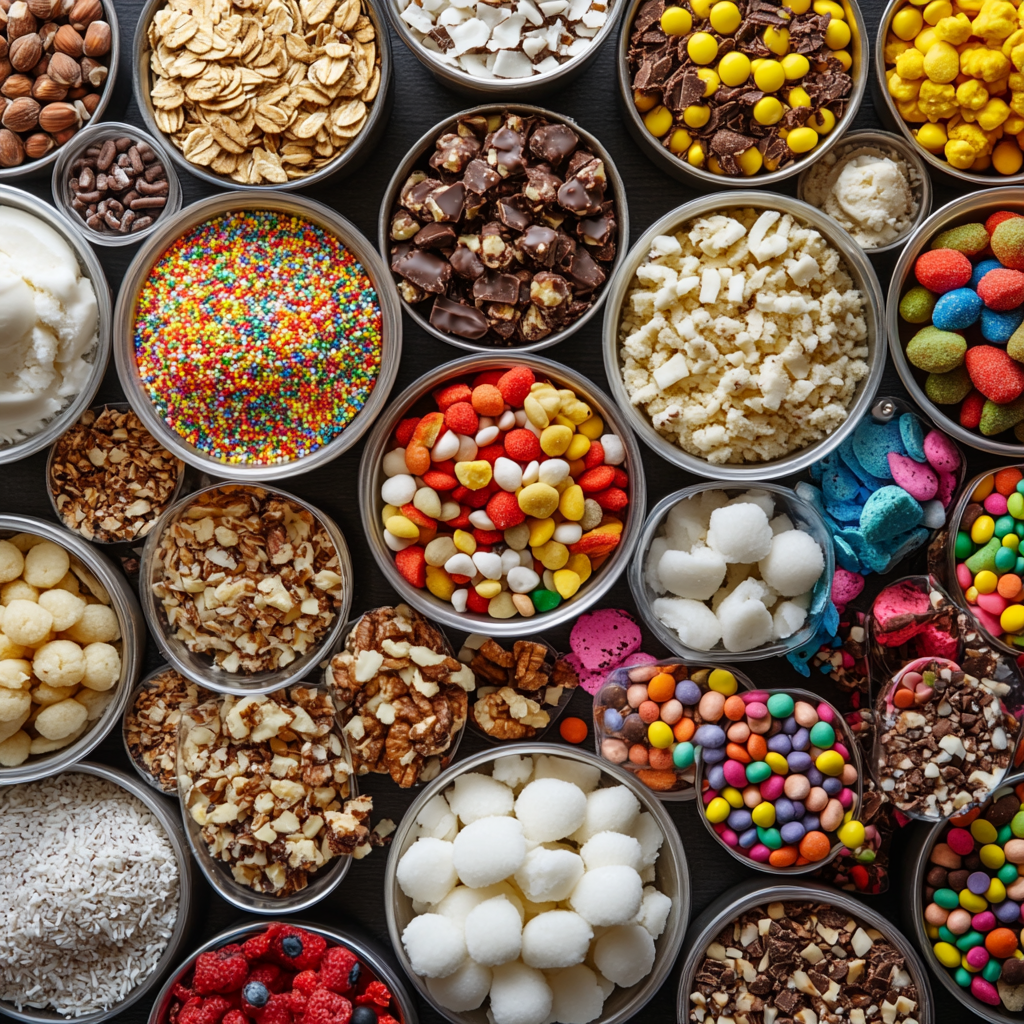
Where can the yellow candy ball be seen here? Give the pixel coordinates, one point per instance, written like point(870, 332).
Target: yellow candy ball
point(837, 35)
point(764, 814)
point(769, 76)
point(982, 529)
point(714, 166)
point(798, 97)
point(829, 7)
point(830, 762)
point(971, 595)
point(1007, 157)
point(852, 835)
point(822, 122)
point(734, 68)
point(986, 582)
point(795, 65)
point(696, 116)
point(701, 8)
point(676, 21)
point(695, 155)
point(1012, 619)
point(844, 58)
point(937, 10)
point(733, 795)
point(996, 892)
point(992, 856)
point(721, 680)
point(777, 762)
point(488, 589)
point(907, 23)
point(750, 161)
point(942, 62)
point(642, 102)
point(702, 48)
point(945, 952)
point(802, 140)
point(799, 6)
point(1011, 540)
point(975, 904)
point(659, 734)
point(717, 810)
point(680, 141)
point(776, 39)
point(768, 110)
point(725, 17)
point(925, 40)
point(932, 137)
point(710, 79)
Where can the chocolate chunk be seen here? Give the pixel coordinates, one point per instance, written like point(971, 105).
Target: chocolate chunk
point(574, 197)
point(549, 291)
point(398, 252)
point(649, 14)
point(553, 143)
point(1013, 971)
point(466, 263)
point(440, 36)
point(480, 177)
point(539, 244)
point(425, 270)
point(447, 203)
point(454, 152)
point(416, 190)
point(505, 152)
point(541, 185)
point(497, 287)
point(585, 275)
point(1003, 811)
point(514, 212)
point(597, 230)
point(455, 318)
point(435, 236)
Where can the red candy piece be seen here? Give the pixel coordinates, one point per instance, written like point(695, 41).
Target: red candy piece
point(621, 479)
point(594, 456)
point(476, 603)
point(942, 270)
point(461, 521)
point(441, 479)
point(405, 430)
point(860, 877)
point(612, 500)
point(447, 397)
point(414, 515)
point(491, 452)
point(522, 445)
point(994, 373)
point(488, 400)
point(997, 218)
point(515, 385)
point(597, 479)
point(504, 511)
point(462, 418)
point(487, 538)
point(960, 841)
point(488, 377)
point(411, 562)
point(1002, 289)
point(220, 970)
point(970, 410)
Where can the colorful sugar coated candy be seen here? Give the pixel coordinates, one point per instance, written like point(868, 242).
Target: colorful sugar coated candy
point(780, 783)
point(505, 496)
point(972, 900)
point(647, 719)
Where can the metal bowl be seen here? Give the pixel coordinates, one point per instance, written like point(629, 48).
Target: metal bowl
point(804, 516)
point(860, 270)
point(371, 474)
point(167, 817)
point(96, 135)
point(673, 879)
point(683, 171)
point(843, 733)
point(100, 354)
point(106, 581)
point(34, 168)
point(887, 111)
point(375, 957)
point(419, 152)
point(350, 158)
point(886, 141)
point(167, 231)
point(724, 910)
point(200, 668)
point(972, 207)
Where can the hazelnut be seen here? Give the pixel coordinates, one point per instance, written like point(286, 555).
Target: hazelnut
point(46, 90)
point(22, 115)
point(62, 137)
point(20, 21)
point(4, 48)
point(403, 226)
point(47, 33)
point(17, 85)
point(25, 52)
point(97, 39)
point(56, 117)
point(42, 67)
point(45, 9)
point(38, 145)
point(94, 72)
point(5, 69)
point(85, 12)
point(91, 102)
point(68, 41)
point(12, 152)
point(65, 70)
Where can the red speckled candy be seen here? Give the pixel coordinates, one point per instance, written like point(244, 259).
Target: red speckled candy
point(1002, 289)
point(997, 376)
point(970, 410)
point(942, 270)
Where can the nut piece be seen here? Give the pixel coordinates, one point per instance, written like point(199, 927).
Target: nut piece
point(20, 21)
point(97, 39)
point(85, 12)
point(38, 145)
point(68, 41)
point(12, 152)
point(22, 115)
point(25, 52)
point(46, 90)
point(65, 70)
point(45, 10)
point(55, 117)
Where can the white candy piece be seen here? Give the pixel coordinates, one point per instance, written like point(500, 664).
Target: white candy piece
point(782, 523)
point(464, 990)
point(695, 574)
point(793, 563)
point(476, 796)
point(757, 497)
point(489, 850)
point(467, 449)
point(579, 773)
point(648, 834)
point(557, 938)
point(462, 900)
point(436, 819)
point(460, 565)
point(425, 872)
point(625, 954)
point(519, 995)
point(532, 472)
point(398, 489)
point(522, 580)
point(549, 875)
point(460, 600)
point(435, 946)
point(578, 998)
point(612, 809)
point(493, 932)
point(489, 564)
point(610, 848)
point(445, 447)
point(512, 769)
point(608, 896)
point(654, 911)
point(787, 619)
point(394, 543)
point(695, 623)
point(393, 463)
point(481, 520)
point(507, 474)
point(740, 533)
point(568, 533)
point(614, 449)
point(746, 623)
point(553, 471)
point(686, 524)
point(550, 809)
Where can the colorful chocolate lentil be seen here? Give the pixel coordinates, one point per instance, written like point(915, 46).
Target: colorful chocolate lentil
point(258, 337)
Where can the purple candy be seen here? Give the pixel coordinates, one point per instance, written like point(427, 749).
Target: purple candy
point(978, 882)
point(713, 755)
point(739, 819)
point(790, 726)
point(716, 777)
point(784, 810)
point(612, 720)
point(780, 744)
point(733, 773)
point(799, 761)
point(810, 822)
point(814, 777)
point(688, 692)
point(801, 739)
point(832, 786)
point(799, 810)
point(1007, 912)
point(748, 838)
point(709, 736)
point(792, 832)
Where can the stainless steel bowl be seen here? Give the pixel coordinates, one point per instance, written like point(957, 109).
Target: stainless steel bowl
point(860, 270)
point(915, 868)
point(724, 910)
point(972, 207)
point(371, 474)
point(886, 142)
point(200, 668)
point(164, 813)
point(673, 879)
point(350, 158)
point(516, 89)
point(418, 153)
point(375, 957)
point(683, 171)
point(166, 232)
point(106, 581)
point(96, 135)
point(804, 516)
point(888, 113)
point(33, 168)
point(92, 269)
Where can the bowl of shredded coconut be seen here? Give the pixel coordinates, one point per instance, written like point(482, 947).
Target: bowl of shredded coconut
point(873, 184)
point(743, 336)
point(97, 895)
point(55, 316)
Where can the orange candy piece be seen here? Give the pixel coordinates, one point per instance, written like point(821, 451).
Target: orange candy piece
point(660, 758)
point(737, 753)
point(984, 488)
point(638, 754)
point(815, 846)
point(487, 400)
point(661, 688)
point(757, 747)
point(734, 708)
point(1001, 942)
point(903, 698)
point(573, 730)
point(684, 729)
point(1009, 586)
point(965, 819)
point(1007, 480)
point(783, 857)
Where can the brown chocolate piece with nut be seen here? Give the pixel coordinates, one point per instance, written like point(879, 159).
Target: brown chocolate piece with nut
point(508, 230)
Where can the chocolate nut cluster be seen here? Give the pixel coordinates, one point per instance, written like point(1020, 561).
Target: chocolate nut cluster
point(509, 230)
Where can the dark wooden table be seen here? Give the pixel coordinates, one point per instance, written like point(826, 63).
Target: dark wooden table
point(420, 102)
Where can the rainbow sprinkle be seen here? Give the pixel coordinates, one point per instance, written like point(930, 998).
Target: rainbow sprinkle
point(258, 337)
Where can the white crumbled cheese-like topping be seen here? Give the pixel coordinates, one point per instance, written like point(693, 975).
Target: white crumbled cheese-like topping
point(743, 337)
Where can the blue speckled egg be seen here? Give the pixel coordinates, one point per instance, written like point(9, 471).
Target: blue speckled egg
point(981, 270)
point(997, 327)
point(957, 309)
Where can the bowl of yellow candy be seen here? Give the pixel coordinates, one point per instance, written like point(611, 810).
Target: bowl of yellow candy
point(951, 79)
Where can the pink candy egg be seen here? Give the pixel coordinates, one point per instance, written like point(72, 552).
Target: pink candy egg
point(817, 800)
point(840, 749)
point(711, 705)
point(671, 711)
point(960, 841)
point(964, 576)
point(936, 915)
point(755, 696)
point(771, 788)
point(995, 504)
point(826, 714)
point(977, 957)
point(983, 922)
point(796, 787)
point(760, 853)
point(615, 750)
point(735, 774)
point(738, 732)
point(940, 451)
point(985, 991)
point(730, 838)
point(804, 714)
point(636, 695)
point(751, 796)
point(756, 710)
point(994, 604)
point(846, 798)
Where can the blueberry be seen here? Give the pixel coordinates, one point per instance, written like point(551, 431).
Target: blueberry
point(291, 945)
point(256, 994)
point(353, 975)
point(363, 1015)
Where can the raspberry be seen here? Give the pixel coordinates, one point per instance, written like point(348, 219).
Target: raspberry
point(621, 479)
point(504, 511)
point(258, 947)
point(515, 385)
point(376, 992)
point(970, 411)
point(404, 431)
point(277, 1011)
point(596, 479)
point(488, 400)
point(269, 975)
point(994, 373)
point(942, 270)
point(339, 969)
point(441, 479)
point(997, 218)
point(181, 993)
point(412, 564)
point(491, 452)
point(462, 418)
point(594, 456)
point(488, 377)
point(296, 949)
point(210, 1010)
point(235, 1017)
point(522, 445)
point(297, 1002)
point(414, 515)
point(476, 603)
point(1002, 289)
point(613, 499)
point(448, 396)
point(327, 1007)
point(220, 970)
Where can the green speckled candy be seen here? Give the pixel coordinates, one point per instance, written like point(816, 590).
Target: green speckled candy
point(970, 239)
point(948, 388)
point(917, 305)
point(1015, 346)
point(936, 351)
point(997, 418)
point(545, 600)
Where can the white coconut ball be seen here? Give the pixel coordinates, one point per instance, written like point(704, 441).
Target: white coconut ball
point(793, 563)
point(578, 998)
point(436, 819)
point(625, 954)
point(478, 796)
point(550, 809)
point(608, 848)
point(549, 875)
point(513, 770)
point(608, 896)
point(757, 497)
point(746, 623)
point(426, 872)
point(462, 900)
point(693, 621)
point(613, 809)
point(558, 938)
point(787, 619)
point(494, 932)
point(695, 574)
point(652, 577)
point(579, 773)
point(654, 911)
point(648, 834)
point(489, 850)
point(686, 523)
point(435, 946)
point(519, 995)
point(464, 990)
point(740, 533)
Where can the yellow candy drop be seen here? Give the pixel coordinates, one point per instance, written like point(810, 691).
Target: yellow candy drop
point(702, 48)
point(769, 76)
point(768, 110)
point(802, 140)
point(725, 17)
point(676, 21)
point(795, 65)
point(658, 121)
point(734, 68)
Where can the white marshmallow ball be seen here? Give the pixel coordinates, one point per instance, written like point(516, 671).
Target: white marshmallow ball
point(579, 773)
point(549, 875)
point(493, 932)
point(694, 622)
point(648, 834)
point(462, 900)
point(787, 619)
point(519, 995)
point(612, 809)
point(478, 796)
point(578, 998)
point(558, 938)
point(740, 533)
point(793, 564)
point(550, 809)
point(435, 946)
point(608, 896)
point(654, 911)
point(625, 954)
point(436, 819)
point(489, 850)
point(609, 848)
point(695, 574)
point(464, 990)
point(426, 872)
point(512, 769)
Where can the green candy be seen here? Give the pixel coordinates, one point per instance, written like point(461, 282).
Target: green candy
point(758, 772)
point(771, 837)
point(969, 941)
point(545, 600)
point(984, 557)
point(1007, 874)
point(946, 935)
point(1015, 505)
point(1003, 836)
point(992, 970)
point(962, 977)
point(1020, 487)
point(1006, 559)
point(936, 351)
point(1015, 346)
point(823, 735)
point(997, 418)
point(947, 899)
point(781, 705)
point(1019, 567)
point(1008, 243)
point(1017, 824)
point(866, 857)
point(682, 757)
point(970, 239)
point(917, 305)
point(1003, 526)
point(948, 388)
point(964, 547)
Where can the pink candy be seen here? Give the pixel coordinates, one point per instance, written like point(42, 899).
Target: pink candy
point(984, 990)
point(995, 504)
point(605, 638)
point(760, 853)
point(917, 480)
point(826, 714)
point(964, 576)
point(772, 787)
point(755, 709)
point(977, 957)
point(994, 604)
point(960, 841)
point(846, 586)
point(735, 774)
point(941, 453)
point(947, 485)
point(983, 922)
point(846, 798)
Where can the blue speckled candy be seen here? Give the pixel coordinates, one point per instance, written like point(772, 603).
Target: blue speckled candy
point(845, 556)
point(845, 511)
point(997, 327)
point(981, 270)
point(912, 431)
point(889, 512)
point(837, 482)
point(957, 309)
point(847, 454)
point(872, 443)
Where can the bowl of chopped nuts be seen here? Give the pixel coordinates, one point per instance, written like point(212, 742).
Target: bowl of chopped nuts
point(301, 103)
point(245, 587)
point(108, 478)
point(80, 43)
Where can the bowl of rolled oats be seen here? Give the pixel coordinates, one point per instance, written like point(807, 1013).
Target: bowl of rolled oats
point(244, 587)
point(262, 95)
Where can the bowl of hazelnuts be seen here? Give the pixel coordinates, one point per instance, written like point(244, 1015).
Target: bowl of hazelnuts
point(58, 62)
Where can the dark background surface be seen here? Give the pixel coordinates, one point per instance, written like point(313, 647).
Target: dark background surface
point(419, 103)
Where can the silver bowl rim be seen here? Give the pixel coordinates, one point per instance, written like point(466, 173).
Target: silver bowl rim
point(857, 265)
point(198, 670)
point(90, 267)
point(72, 150)
point(1007, 196)
point(923, 190)
point(168, 231)
point(671, 164)
point(133, 644)
point(33, 168)
point(441, 611)
point(418, 151)
point(186, 893)
point(379, 110)
point(636, 573)
point(671, 938)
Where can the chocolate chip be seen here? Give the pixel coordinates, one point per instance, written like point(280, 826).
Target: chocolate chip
point(479, 177)
point(455, 318)
point(425, 270)
point(497, 287)
point(553, 143)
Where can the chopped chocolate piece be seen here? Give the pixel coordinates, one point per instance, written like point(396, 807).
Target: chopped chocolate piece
point(553, 143)
point(574, 197)
point(539, 243)
point(455, 318)
point(542, 186)
point(480, 177)
point(466, 263)
point(435, 236)
point(447, 203)
point(549, 290)
point(514, 212)
point(597, 230)
point(425, 270)
point(495, 287)
point(440, 36)
point(505, 152)
point(454, 152)
point(584, 273)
